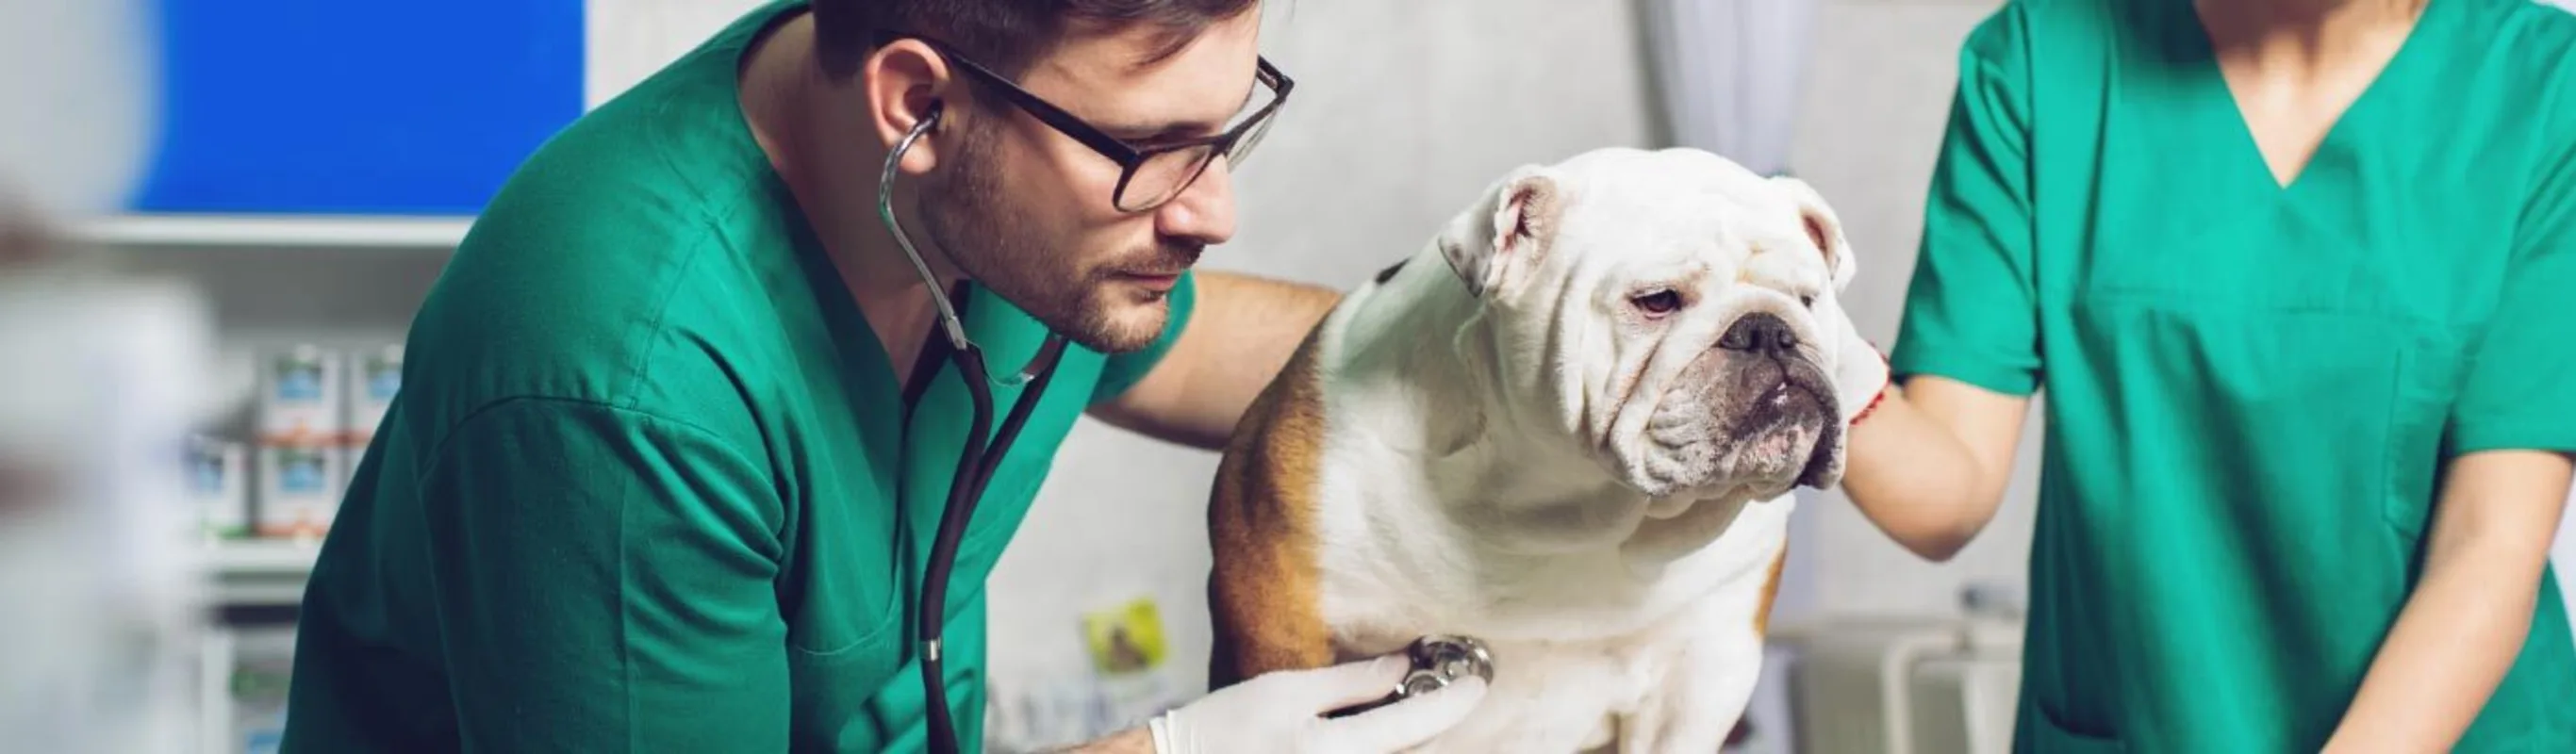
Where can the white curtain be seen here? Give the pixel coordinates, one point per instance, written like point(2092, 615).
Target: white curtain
point(1730, 72)
point(2565, 552)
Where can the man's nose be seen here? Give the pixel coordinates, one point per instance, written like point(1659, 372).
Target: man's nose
point(1759, 332)
point(1203, 212)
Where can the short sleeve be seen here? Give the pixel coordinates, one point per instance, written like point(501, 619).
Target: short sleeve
point(1123, 371)
point(605, 581)
point(2521, 387)
point(1970, 311)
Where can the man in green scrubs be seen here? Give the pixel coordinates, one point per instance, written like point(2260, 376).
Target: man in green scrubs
point(2294, 278)
point(677, 427)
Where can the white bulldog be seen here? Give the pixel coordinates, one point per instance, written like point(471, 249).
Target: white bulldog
point(1569, 427)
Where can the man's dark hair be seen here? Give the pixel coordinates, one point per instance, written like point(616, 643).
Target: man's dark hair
point(1006, 35)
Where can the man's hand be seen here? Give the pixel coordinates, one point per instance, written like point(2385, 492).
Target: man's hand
point(1283, 712)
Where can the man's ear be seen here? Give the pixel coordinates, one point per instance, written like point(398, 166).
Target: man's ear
point(1824, 229)
point(1492, 243)
point(906, 82)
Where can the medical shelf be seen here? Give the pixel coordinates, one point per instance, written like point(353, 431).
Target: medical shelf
point(260, 572)
point(179, 231)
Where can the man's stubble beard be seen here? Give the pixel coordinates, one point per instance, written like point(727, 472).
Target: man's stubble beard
point(962, 210)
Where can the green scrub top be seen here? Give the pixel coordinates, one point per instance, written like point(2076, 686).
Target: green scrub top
point(650, 483)
point(2251, 389)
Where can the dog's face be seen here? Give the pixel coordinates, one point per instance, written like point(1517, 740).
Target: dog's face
point(1666, 310)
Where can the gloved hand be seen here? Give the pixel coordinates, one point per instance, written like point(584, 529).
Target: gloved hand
point(1860, 369)
point(1283, 712)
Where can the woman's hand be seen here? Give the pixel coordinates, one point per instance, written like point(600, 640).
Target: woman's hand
point(2467, 618)
point(1926, 463)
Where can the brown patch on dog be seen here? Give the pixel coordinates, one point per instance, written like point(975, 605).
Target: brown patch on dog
point(1770, 592)
point(1264, 603)
point(1743, 730)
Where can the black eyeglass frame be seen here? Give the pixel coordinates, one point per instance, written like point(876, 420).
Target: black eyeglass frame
point(1129, 157)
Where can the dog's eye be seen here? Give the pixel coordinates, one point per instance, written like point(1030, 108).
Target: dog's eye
point(1808, 301)
point(1659, 302)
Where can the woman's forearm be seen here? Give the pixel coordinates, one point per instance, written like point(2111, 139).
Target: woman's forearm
point(1928, 466)
point(2452, 643)
point(2470, 613)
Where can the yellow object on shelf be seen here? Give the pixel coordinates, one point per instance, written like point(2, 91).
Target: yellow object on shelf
point(1125, 640)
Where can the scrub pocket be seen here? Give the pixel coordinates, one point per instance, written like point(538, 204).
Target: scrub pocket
point(827, 688)
point(844, 626)
point(2331, 378)
point(2432, 362)
point(2048, 737)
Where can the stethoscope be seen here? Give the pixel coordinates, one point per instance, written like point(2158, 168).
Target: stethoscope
point(975, 463)
point(1437, 660)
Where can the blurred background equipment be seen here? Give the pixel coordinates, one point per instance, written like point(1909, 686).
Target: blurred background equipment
point(77, 106)
point(99, 380)
point(99, 647)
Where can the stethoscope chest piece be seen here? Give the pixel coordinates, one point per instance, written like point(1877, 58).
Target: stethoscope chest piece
point(1438, 660)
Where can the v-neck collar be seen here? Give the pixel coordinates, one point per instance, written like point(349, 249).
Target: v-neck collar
point(861, 360)
point(2245, 150)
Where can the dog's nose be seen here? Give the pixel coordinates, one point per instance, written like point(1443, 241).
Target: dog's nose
point(1759, 332)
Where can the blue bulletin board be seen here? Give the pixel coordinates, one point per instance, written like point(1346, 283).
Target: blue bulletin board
point(399, 107)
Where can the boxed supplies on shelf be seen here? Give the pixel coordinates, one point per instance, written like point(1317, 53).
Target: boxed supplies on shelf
point(283, 474)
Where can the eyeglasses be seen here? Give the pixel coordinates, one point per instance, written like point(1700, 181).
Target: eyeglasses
point(1148, 176)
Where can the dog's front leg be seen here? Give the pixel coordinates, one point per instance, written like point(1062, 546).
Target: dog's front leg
point(1708, 684)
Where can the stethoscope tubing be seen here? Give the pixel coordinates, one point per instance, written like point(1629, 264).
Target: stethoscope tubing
point(963, 494)
point(976, 461)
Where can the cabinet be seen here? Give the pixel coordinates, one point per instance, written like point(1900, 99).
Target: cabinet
point(338, 285)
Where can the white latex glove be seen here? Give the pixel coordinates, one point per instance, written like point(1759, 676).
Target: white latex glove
point(1860, 370)
point(1283, 712)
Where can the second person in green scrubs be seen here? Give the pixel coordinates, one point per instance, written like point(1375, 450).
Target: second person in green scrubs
point(2294, 278)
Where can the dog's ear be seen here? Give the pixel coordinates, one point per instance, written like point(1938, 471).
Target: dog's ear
point(1824, 229)
point(1507, 232)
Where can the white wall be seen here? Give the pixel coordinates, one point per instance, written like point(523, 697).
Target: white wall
point(628, 40)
